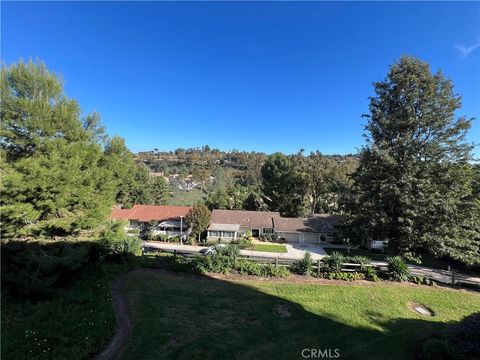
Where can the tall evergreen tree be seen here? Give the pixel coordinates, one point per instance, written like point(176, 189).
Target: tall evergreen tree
point(53, 182)
point(413, 185)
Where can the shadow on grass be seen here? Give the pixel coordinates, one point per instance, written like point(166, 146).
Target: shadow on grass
point(186, 316)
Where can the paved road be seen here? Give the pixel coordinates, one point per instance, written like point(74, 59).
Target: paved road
point(296, 252)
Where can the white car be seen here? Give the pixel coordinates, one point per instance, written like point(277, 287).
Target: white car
point(212, 250)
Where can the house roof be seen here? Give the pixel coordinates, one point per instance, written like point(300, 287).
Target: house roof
point(224, 227)
point(146, 213)
point(251, 219)
point(318, 223)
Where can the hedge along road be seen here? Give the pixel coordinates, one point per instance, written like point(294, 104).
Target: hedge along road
point(317, 252)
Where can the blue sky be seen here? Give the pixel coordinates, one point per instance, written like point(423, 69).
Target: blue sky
point(251, 76)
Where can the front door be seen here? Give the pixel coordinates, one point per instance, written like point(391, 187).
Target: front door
point(256, 233)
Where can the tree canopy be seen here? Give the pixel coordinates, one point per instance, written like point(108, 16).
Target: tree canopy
point(414, 182)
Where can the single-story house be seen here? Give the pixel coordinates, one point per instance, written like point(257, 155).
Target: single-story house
point(170, 219)
point(231, 224)
point(314, 229)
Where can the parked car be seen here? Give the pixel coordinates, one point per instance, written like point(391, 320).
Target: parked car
point(212, 250)
point(378, 246)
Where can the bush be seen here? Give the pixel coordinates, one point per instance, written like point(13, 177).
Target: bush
point(122, 247)
point(268, 237)
point(397, 268)
point(346, 276)
point(304, 266)
point(246, 267)
point(362, 260)
point(370, 273)
point(334, 262)
point(34, 268)
point(421, 280)
point(231, 250)
point(217, 264)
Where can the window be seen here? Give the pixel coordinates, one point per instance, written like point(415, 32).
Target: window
point(267, 230)
point(215, 233)
point(323, 238)
point(228, 234)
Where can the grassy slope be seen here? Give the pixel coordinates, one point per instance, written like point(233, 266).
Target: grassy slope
point(75, 322)
point(269, 248)
point(186, 197)
point(193, 318)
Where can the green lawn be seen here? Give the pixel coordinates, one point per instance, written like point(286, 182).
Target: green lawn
point(185, 317)
point(276, 248)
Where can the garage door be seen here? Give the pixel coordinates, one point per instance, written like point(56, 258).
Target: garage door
point(289, 237)
point(311, 238)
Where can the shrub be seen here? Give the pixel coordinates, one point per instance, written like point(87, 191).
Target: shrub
point(231, 250)
point(268, 237)
point(370, 273)
point(362, 260)
point(397, 268)
point(217, 264)
point(335, 261)
point(244, 243)
point(246, 267)
point(304, 266)
point(346, 276)
point(248, 235)
point(421, 280)
point(122, 247)
point(33, 268)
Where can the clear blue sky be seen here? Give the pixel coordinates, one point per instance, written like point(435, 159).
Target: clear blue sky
point(251, 76)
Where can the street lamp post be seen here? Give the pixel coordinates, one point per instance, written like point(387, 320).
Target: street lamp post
point(181, 230)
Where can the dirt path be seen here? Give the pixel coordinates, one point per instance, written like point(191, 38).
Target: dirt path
point(124, 323)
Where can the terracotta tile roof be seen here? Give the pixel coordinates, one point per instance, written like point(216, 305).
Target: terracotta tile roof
point(319, 223)
point(146, 213)
point(251, 219)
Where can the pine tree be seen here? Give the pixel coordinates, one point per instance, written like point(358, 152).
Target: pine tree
point(53, 182)
point(413, 184)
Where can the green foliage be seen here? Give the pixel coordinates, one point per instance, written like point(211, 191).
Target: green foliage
point(147, 232)
point(75, 323)
point(421, 280)
point(362, 260)
point(122, 247)
point(226, 264)
point(370, 273)
point(231, 250)
point(159, 191)
point(346, 276)
point(334, 262)
point(397, 268)
point(198, 218)
point(284, 186)
point(305, 265)
point(414, 184)
point(34, 268)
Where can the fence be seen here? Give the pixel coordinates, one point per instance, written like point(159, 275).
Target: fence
point(318, 265)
